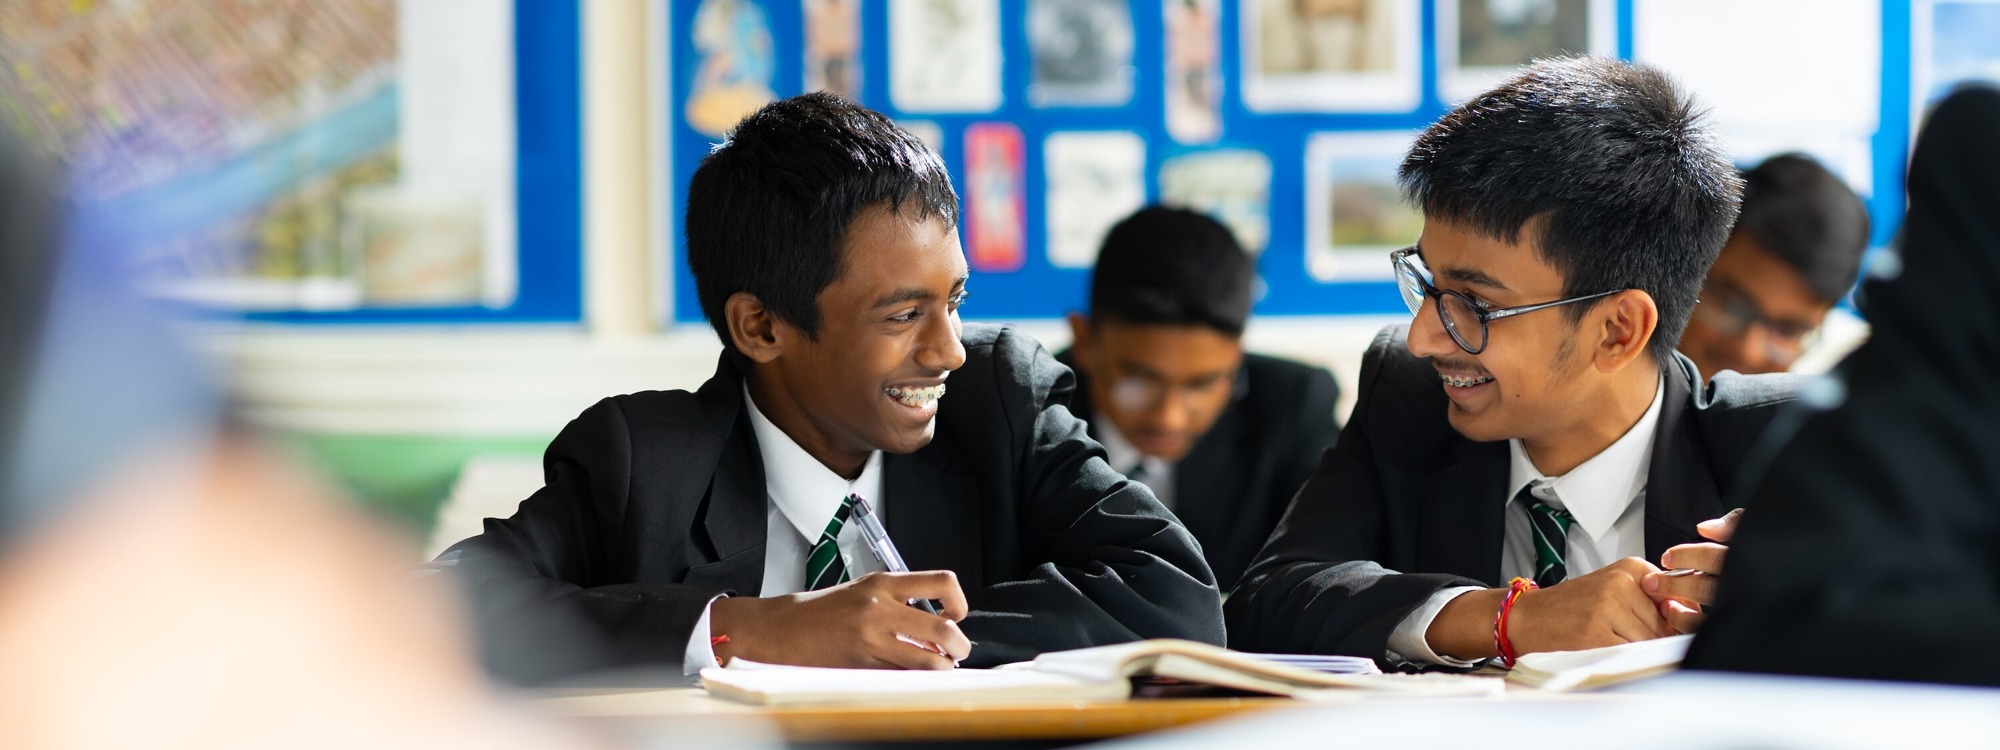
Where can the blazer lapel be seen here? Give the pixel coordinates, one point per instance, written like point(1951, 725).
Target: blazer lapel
point(1201, 480)
point(1680, 482)
point(933, 513)
point(733, 517)
point(1464, 513)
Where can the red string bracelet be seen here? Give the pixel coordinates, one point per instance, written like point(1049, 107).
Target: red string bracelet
point(718, 640)
point(1500, 641)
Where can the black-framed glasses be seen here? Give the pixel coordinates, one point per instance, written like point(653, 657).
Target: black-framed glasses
point(1463, 317)
point(1732, 313)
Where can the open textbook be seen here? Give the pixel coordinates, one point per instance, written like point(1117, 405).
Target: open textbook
point(1600, 667)
point(1093, 674)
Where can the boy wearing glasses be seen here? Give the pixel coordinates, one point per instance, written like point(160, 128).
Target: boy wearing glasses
point(1795, 251)
point(1530, 445)
point(1224, 438)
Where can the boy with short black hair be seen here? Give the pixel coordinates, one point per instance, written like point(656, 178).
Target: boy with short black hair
point(1533, 422)
point(686, 528)
point(1223, 437)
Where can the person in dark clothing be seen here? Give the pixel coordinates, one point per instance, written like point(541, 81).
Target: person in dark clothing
point(1224, 438)
point(1872, 546)
point(1533, 422)
point(681, 529)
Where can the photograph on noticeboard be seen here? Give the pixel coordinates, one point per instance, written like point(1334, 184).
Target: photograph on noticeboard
point(1331, 55)
point(944, 55)
point(833, 47)
point(1231, 184)
point(1355, 213)
point(1080, 53)
point(1481, 43)
point(1193, 70)
point(1095, 179)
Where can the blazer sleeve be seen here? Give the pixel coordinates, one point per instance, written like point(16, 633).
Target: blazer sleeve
point(1318, 586)
point(1114, 564)
point(535, 578)
point(1318, 393)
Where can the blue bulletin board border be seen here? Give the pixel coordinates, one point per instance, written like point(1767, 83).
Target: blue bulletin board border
point(548, 163)
point(1040, 290)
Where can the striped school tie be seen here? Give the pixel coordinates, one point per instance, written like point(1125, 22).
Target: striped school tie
point(1551, 526)
point(824, 567)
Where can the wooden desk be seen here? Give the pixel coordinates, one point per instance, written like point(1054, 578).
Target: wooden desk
point(1026, 721)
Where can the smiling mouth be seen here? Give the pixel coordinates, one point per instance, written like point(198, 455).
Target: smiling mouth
point(1461, 381)
point(915, 397)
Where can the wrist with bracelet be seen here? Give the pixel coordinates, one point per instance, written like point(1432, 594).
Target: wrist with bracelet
point(1500, 641)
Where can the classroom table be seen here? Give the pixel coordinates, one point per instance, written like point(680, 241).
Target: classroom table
point(1064, 723)
point(1078, 721)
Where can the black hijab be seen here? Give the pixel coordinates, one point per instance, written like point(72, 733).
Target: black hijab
point(1871, 547)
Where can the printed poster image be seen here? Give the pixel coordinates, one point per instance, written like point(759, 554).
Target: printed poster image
point(1483, 42)
point(1331, 55)
point(1233, 185)
point(1080, 53)
point(238, 165)
point(1355, 213)
point(944, 55)
point(1095, 180)
point(1193, 70)
point(733, 75)
point(996, 199)
point(833, 47)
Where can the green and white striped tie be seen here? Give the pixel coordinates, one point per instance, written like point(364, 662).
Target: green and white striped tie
point(1551, 526)
point(824, 567)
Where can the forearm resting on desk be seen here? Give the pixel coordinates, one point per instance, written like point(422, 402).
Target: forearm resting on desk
point(1464, 628)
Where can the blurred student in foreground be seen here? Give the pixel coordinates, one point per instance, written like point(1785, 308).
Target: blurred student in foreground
point(1795, 251)
point(164, 580)
point(1531, 443)
point(685, 529)
point(1874, 547)
point(1224, 438)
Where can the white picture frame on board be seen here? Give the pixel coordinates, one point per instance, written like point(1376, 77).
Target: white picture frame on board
point(1356, 56)
point(1354, 212)
point(1481, 43)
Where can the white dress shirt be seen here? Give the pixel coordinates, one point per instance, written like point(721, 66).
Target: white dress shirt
point(801, 496)
point(1126, 458)
point(1605, 494)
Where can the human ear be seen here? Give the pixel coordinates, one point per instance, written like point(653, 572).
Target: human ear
point(1625, 323)
point(1081, 342)
point(753, 328)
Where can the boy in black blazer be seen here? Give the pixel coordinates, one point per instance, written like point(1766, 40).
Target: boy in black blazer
point(1223, 437)
point(1533, 422)
point(682, 529)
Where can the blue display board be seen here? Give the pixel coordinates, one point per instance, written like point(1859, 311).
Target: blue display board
point(1039, 288)
point(549, 184)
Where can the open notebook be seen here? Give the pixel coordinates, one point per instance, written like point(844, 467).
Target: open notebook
point(1091, 674)
point(1600, 667)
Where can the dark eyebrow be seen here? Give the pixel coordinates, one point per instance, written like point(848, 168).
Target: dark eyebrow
point(1462, 275)
point(913, 294)
point(1474, 277)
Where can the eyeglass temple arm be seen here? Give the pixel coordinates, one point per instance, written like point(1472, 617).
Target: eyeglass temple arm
point(1509, 313)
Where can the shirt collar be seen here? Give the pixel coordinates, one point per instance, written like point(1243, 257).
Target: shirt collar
point(1599, 490)
point(805, 490)
point(1118, 451)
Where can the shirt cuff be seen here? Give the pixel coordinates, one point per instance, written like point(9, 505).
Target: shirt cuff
point(1409, 642)
point(700, 653)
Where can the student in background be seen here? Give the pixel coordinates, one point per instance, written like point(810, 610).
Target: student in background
point(1795, 251)
point(1533, 422)
point(1873, 550)
point(1223, 438)
point(687, 528)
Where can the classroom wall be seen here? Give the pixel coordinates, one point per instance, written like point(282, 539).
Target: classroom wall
point(394, 403)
